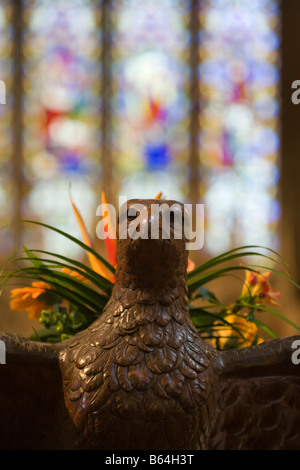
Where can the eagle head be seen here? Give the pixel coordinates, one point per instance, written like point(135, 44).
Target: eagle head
point(151, 241)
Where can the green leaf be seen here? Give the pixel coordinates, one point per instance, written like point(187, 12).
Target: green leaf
point(34, 259)
point(75, 240)
point(202, 318)
point(276, 313)
point(193, 284)
point(213, 321)
point(64, 285)
point(265, 328)
point(50, 298)
point(228, 255)
point(96, 278)
point(49, 335)
point(88, 274)
point(205, 294)
point(63, 281)
point(77, 300)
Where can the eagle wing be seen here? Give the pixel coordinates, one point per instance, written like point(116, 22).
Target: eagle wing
point(258, 398)
point(31, 397)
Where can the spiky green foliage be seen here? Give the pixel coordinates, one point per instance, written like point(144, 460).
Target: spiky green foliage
point(75, 302)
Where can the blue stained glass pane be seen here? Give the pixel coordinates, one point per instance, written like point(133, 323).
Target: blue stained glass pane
point(238, 142)
point(6, 144)
point(150, 106)
point(62, 105)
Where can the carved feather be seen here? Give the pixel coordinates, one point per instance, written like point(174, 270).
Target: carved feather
point(140, 377)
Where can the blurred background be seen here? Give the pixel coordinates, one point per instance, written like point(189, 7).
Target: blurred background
point(188, 97)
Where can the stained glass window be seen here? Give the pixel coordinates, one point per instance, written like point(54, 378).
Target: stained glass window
point(149, 70)
point(150, 106)
point(238, 85)
point(6, 103)
point(62, 108)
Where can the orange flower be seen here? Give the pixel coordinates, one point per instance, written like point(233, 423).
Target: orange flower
point(110, 242)
point(191, 265)
point(258, 287)
point(76, 274)
point(96, 265)
point(27, 299)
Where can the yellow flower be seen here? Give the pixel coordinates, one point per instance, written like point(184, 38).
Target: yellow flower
point(258, 287)
point(27, 299)
point(240, 333)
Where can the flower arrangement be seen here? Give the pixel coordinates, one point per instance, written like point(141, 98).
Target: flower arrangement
point(66, 295)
